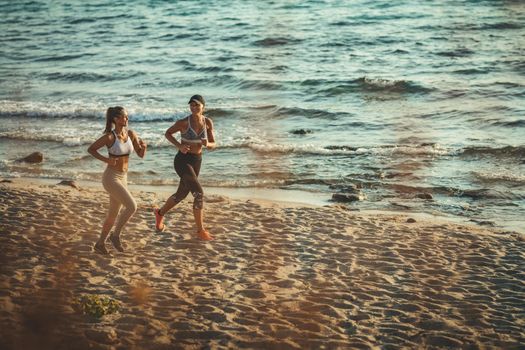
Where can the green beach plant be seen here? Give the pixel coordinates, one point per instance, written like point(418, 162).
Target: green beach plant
point(96, 305)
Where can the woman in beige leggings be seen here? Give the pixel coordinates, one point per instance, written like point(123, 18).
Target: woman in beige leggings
point(120, 142)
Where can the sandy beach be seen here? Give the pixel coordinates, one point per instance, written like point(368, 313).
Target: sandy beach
point(277, 276)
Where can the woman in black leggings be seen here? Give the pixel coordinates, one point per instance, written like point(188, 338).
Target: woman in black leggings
point(196, 133)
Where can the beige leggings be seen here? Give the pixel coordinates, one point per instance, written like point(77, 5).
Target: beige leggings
point(116, 183)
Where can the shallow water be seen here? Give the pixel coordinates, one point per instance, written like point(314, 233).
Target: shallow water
point(397, 98)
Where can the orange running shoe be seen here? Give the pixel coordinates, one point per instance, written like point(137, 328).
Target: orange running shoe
point(159, 221)
point(204, 235)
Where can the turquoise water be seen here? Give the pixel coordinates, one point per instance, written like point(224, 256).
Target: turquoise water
point(396, 98)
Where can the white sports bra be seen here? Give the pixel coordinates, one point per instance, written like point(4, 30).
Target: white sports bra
point(120, 149)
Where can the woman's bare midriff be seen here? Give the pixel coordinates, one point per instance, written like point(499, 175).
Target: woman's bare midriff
point(122, 164)
point(194, 148)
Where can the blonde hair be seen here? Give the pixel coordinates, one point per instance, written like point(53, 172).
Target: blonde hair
point(111, 114)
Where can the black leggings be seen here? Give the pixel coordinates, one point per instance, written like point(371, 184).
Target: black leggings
point(188, 167)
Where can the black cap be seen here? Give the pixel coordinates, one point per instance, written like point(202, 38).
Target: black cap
point(197, 98)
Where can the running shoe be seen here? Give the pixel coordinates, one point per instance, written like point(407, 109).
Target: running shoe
point(115, 240)
point(101, 249)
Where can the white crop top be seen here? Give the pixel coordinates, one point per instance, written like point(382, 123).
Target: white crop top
point(119, 148)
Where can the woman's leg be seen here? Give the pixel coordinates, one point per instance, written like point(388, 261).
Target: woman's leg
point(199, 219)
point(188, 169)
point(182, 164)
point(192, 182)
point(114, 207)
point(173, 200)
point(109, 181)
point(121, 193)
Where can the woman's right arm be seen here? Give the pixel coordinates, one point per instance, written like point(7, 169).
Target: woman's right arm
point(177, 127)
point(95, 146)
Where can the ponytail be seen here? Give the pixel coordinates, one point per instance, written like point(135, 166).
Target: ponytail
point(111, 114)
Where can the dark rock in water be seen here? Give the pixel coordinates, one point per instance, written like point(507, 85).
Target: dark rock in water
point(341, 148)
point(393, 175)
point(487, 223)
point(424, 196)
point(69, 183)
point(476, 194)
point(6, 181)
point(35, 157)
point(400, 205)
point(484, 222)
point(347, 197)
point(352, 188)
point(411, 220)
point(301, 131)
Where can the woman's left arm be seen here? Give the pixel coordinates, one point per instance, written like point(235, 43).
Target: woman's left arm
point(210, 144)
point(139, 144)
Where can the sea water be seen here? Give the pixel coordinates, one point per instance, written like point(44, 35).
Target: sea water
point(394, 98)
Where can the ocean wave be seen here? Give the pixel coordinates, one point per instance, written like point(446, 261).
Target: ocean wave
point(308, 113)
point(9, 109)
point(78, 159)
point(365, 84)
point(259, 85)
point(498, 176)
point(471, 193)
point(488, 193)
point(90, 110)
point(95, 110)
point(510, 124)
point(220, 112)
point(78, 110)
point(61, 57)
point(83, 20)
point(329, 150)
point(400, 51)
point(265, 147)
point(90, 76)
point(507, 151)
point(214, 79)
point(173, 37)
point(511, 85)
point(91, 19)
point(472, 71)
point(244, 183)
point(15, 38)
point(276, 41)
point(214, 69)
point(310, 181)
point(492, 26)
point(340, 23)
point(462, 52)
point(43, 137)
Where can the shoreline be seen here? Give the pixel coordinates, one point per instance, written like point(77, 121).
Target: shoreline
point(278, 197)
